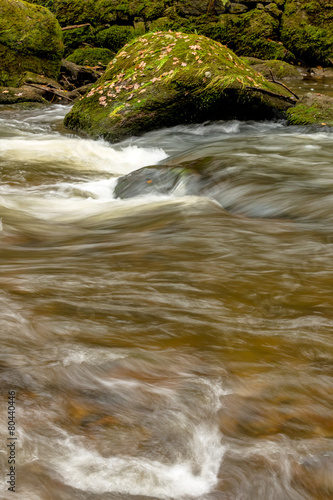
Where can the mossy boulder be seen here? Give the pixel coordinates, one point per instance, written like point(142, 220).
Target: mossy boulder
point(312, 109)
point(30, 40)
point(90, 56)
point(307, 30)
point(279, 69)
point(254, 33)
point(164, 79)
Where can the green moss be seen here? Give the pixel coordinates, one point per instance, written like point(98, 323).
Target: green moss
point(30, 40)
point(307, 30)
point(78, 37)
point(280, 69)
point(313, 109)
point(115, 37)
point(163, 79)
point(101, 12)
point(255, 33)
point(91, 56)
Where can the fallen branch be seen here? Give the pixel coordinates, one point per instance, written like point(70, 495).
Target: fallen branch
point(273, 94)
point(48, 89)
point(75, 26)
point(282, 84)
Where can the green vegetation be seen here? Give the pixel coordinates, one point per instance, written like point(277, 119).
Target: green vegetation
point(307, 29)
point(162, 79)
point(115, 37)
point(279, 69)
point(91, 56)
point(312, 109)
point(255, 33)
point(30, 40)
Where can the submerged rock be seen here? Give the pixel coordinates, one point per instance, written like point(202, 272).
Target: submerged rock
point(307, 30)
point(165, 79)
point(30, 41)
point(312, 109)
point(158, 180)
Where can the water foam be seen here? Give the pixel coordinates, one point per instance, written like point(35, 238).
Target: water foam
point(193, 473)
point(79, 154)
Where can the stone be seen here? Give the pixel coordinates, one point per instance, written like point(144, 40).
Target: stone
point(159, 80)
point(312, 109)
point(30, 41)
point(237, 8)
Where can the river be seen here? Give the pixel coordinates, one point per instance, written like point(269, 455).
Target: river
point(166, 346)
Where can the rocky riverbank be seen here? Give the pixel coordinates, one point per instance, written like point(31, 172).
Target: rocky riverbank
point(269, 35)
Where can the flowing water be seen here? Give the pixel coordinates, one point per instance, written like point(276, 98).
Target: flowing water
point(167, 346)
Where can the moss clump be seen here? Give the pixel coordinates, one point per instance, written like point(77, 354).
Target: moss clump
point(91, 56)
point(307, 30)
point(163, 79)
point(30, 40)
point(255, 33)
point(312, 109)
point(115, 37)
point(279, 69)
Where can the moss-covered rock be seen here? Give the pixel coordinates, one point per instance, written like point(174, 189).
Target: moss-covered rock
point(30, 40)
point(115, 37)
point(255, 33)
point(11, 95)
point(312, 109)
point(307, 30)
point(280, 69)
point(90, 56)
point(163, 79)
point(101, 12)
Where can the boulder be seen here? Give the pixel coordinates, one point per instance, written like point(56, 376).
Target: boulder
point(312, 109)
point(164, 79)
point(280, 69)
point(307, 30)
point(30, 41)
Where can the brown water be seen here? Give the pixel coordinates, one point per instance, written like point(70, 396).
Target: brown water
point(167, 347)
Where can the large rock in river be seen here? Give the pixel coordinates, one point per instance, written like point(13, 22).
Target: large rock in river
point(164, 79)
point(30, 41)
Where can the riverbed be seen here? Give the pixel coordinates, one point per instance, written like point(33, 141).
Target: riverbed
point(166, 346)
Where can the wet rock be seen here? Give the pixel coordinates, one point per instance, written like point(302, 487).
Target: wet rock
point(30, 41)
point(307, 30)
point(159, 80)
point(74, 76)
point(12, 95)
point(157, 180)
point(312, 109)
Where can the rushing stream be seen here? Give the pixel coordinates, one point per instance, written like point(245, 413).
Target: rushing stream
point(167, 346)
